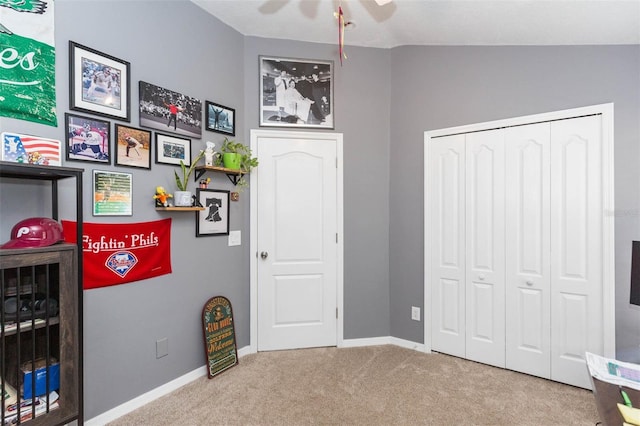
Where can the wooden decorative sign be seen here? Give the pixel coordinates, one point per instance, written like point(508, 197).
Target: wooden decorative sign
point(219, 335)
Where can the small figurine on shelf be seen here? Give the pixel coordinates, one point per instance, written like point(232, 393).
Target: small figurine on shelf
point(162, 197)
point(209, 153)
point(204, 183)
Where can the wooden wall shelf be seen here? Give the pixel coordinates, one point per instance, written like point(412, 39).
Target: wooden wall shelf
point(233, 175)
point(179, 209)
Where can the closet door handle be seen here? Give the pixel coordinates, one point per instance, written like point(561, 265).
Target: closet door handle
point(481, 277)
point(529, 283)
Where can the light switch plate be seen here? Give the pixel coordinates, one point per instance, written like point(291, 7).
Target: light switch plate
point(235, 238)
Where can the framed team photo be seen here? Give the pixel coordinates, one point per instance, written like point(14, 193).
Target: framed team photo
point(214, 219)
point(296, 93)
point(87, 139)
point(132, 147)
point(99, 83)
point(171, 149)
point(220, 119)
point(168, 111)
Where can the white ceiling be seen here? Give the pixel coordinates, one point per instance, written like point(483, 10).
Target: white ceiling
point(436, 22)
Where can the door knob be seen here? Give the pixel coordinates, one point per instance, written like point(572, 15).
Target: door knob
point(481, 277)
point(529, 283)
point(264, 255)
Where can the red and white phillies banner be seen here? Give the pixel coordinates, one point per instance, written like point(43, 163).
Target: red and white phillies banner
point(122, 253)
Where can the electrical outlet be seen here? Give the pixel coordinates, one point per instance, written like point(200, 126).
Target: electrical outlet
point(415, 313)
point(162, 348)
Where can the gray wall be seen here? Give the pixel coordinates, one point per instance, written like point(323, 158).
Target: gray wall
point(384, 100)
point(451, 86)
point(175, 45)
point(361, 103)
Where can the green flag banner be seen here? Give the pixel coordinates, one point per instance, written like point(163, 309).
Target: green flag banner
point(27, 61)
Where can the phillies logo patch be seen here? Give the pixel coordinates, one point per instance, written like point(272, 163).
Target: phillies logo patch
point(121, 262)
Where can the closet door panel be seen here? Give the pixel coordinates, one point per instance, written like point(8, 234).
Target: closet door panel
point(485, 320)
point(447, 168)
point(527, 243)
point(576, 241)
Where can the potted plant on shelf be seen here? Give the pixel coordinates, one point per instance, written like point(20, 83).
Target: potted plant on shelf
point(182, 197)
point(236, 156)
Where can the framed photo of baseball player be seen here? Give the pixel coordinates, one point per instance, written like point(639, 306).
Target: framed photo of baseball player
point(296, 93)
point(214, 219)
point(87, 139)
point(132, 147)
point(99, 83)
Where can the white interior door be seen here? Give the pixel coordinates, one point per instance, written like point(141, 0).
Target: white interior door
point(527, 247)
point(297, 246)
point(485, 293)
point(576, 247)
point(447, 168)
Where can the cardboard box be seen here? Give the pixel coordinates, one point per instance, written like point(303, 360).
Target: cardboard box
point(41, 377)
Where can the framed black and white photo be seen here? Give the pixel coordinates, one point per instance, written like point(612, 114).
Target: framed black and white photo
point(98, 83)
point(169, 111)
point(171, 149)
point(112, 193)
point(132, 147)
point(296, 93)
point(214, 219)
point(88, 139)
point(220, 119)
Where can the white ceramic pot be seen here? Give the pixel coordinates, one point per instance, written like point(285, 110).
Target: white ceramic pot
point(182, 198)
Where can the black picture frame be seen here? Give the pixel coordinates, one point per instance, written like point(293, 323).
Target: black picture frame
point(160, 107)
point(170, 149)
point(131, 147)
point(99, 83)
point(214, 219)
point(296, 93)
point(220, 118)
point(87, 139)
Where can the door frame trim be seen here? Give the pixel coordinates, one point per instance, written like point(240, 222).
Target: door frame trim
point(256, 134)
point(608, 208)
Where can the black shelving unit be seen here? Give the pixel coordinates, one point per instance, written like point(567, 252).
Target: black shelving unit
point(53, 174)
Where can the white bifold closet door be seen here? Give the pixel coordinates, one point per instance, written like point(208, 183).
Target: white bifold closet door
point(516, 266)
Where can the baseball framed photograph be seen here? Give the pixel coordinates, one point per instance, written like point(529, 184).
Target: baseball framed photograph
point(214, 219)
point(88, 139)
point(172, 149)
point(112, 193)
point(168, 111)
point(99, 83)
point(220, 119)
point(296, 93)
point(132, 147)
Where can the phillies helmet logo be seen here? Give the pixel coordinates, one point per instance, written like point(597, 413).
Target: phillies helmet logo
point(121, 262)
point(24, 230)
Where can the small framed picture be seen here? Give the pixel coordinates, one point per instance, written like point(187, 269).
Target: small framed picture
point(220, 119)
point(132, 147)
point(168, 111)
point(27, 149)
point(296, 93)
point(87, 139)
point(172, 149)
point(112, 193)
point(99, 83)
point(214, 219)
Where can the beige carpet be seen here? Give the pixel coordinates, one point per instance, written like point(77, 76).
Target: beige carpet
point(377, 385)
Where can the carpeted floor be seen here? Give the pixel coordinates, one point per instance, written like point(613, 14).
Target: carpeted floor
point(376, 385)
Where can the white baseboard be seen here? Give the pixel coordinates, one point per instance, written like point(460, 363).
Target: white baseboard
point(129, 406)
point(153, 394)
point(385, 340)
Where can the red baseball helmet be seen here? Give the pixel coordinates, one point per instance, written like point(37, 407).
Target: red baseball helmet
point(34, 232)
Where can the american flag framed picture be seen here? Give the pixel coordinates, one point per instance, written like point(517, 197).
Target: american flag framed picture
point(19, 148)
